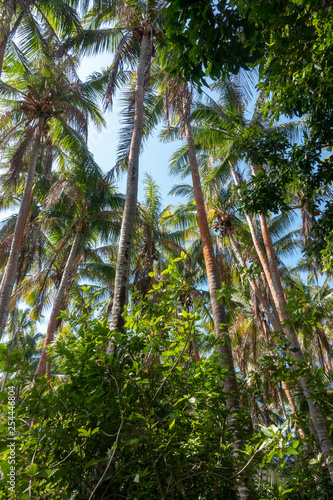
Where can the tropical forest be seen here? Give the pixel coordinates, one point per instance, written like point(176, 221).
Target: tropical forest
point(166, 249)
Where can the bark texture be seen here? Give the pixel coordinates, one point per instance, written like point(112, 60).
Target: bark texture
point(219, 314)
point(214, 282)
point(9, 275)
point(128, 221)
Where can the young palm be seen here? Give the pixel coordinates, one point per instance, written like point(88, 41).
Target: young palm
point(154, 243)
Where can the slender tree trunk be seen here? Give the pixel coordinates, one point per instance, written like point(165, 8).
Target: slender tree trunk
point(270, 316)
point(195, 349)
point(219, 314)
point(9, 275)
point(44, 362)
point(315, 411)
point(326, 346)
point(273, 278)
point(127, 227)
point(4, 382)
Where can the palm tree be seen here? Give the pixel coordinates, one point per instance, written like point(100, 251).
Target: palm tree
point(220, 125)
point(179, 98)
point(43, 104)
point(91, 207)
point(134, 25)
point(36, 19)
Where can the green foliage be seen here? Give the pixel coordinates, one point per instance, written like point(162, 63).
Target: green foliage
point(207, 39)
point(295, 78)
point(297, 67)
point(146, 420)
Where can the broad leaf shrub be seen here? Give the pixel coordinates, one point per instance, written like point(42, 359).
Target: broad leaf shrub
point(147, 422)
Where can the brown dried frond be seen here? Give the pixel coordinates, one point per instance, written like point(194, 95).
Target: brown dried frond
point(178, 98)
point(5, 122)
point(125, 12)
point(16, 161)
point(74, 194)
point(248, 256)
point(5, 246)
point(76, 117)
point(237, 96)
point(125, 50)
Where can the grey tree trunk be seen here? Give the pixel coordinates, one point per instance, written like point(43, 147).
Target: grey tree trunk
point(43, 360)
point(128, 221)
point(9, 275)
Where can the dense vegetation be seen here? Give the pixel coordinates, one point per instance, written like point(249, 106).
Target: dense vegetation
point(183, 358)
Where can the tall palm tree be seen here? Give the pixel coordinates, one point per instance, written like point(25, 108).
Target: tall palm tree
point(179, 98)
point(77, 232)
point(220, 125)
point(40, 103)
point(134, 25)
point(179, 95)
point(88, 210)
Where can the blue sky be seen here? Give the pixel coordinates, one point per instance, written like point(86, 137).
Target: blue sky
point(103, 144)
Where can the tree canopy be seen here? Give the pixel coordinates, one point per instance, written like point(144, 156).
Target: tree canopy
point(180, 351)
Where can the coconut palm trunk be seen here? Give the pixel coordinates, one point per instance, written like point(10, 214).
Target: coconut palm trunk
point(218, 310)
point(214, 282)
point(270, 316)
point(9, 276)
point(317, 417)
point(44, 364)
point(128, 221)
point(272, 274)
